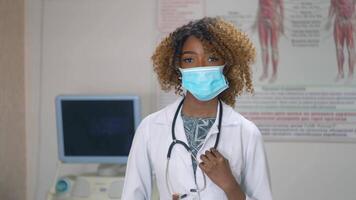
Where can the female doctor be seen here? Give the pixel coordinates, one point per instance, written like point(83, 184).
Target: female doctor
point(199, 147)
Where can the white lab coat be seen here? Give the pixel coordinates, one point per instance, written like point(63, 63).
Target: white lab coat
point(240, 142)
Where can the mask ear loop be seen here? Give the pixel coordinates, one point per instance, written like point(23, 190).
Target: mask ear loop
point(225, 70)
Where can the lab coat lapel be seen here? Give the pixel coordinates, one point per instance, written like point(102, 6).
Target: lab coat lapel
point(211, 136)
point(179, 128)
point(180, 135)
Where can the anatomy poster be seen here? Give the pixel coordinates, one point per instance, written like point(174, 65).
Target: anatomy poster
point(305, 87)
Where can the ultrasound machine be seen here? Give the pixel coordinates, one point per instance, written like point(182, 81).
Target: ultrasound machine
point(94, 129)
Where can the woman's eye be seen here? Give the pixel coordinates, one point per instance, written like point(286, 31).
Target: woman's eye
point(213, 59)
point(187, 60)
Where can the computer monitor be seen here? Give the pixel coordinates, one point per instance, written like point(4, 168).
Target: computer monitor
point(96, 129)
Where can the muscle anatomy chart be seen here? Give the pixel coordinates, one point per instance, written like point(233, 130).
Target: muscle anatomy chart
point(270, 26)
point(342, 12)
point(303, 72)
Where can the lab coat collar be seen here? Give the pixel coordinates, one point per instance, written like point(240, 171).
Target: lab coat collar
point(167, 115)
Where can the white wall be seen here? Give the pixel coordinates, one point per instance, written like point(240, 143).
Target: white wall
point(103, 47)
point(312, 171)
point(33, 43)
point(85, 47)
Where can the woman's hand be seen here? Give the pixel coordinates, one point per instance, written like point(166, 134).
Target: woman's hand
point(175, 197)
point(217, 168)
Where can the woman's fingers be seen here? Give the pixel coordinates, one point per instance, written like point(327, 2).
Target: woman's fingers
point(207, 167)
point(217, 154)
point(203, 166)
point(204, 158)
point(175, 197)
point(209, 161)
point(208, 156)
point(217, 168)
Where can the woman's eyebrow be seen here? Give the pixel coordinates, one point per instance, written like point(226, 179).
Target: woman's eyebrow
point(189, 52)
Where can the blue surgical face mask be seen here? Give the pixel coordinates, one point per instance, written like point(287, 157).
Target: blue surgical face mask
point(205, 83)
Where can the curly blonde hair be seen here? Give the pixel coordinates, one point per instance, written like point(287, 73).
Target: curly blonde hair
point(229, 42)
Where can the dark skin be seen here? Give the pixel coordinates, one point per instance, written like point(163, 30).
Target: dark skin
point(214, 165)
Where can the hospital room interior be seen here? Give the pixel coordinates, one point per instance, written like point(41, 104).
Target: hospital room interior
point(78, 82)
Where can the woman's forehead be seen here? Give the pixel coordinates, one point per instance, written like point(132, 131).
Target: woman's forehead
point(193, 42)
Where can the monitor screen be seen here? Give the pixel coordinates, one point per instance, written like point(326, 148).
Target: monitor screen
point(96, 129)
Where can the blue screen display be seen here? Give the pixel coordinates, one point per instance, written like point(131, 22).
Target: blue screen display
point(97, 127)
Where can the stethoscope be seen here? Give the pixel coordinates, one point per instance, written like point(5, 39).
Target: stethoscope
point(177, 141)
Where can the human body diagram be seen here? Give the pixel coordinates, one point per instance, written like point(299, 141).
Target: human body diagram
point(342, 13)
point(269, 22)
point(271, 25)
